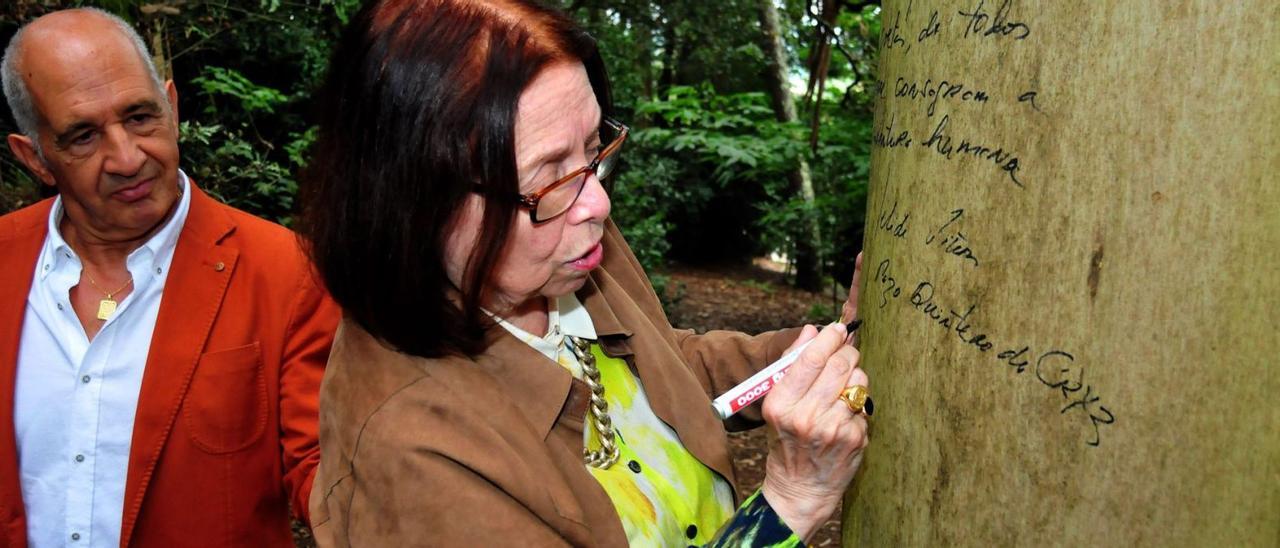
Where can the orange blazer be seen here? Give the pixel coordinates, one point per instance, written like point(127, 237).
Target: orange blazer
point(225, 437)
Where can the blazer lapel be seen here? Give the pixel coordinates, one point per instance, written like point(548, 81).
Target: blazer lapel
point(22, 240)
point(198, 278)
point(25, 236)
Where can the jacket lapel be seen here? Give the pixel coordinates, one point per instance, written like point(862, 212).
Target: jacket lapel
point(544, 385)
point(21, 241)
point(198, 280)
point(665, 384)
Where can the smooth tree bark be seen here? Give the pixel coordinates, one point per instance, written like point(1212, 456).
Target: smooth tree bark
point(1072, 276)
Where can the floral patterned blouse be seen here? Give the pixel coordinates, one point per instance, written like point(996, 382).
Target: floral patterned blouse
point(663, 494)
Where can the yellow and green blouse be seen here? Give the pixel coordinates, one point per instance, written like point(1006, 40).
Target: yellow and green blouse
point(663, 494)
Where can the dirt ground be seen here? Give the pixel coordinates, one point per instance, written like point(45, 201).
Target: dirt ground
point(751, 299)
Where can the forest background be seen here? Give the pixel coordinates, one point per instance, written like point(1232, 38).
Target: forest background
point(751, 118)
point(752, 125)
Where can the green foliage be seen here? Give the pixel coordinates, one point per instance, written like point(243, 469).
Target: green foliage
point(18, 188)
point(758, 285)
point(704, 146)
point(245, 73)
point(252, 98)
point(818, 314)
point(670, 292)
point(734, 136)
point(713, 160)
point(230, 168)
point(705, 174)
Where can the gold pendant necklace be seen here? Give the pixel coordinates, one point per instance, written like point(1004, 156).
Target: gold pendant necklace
point(107, 306)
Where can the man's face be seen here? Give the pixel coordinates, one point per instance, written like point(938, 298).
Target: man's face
point(109, 137)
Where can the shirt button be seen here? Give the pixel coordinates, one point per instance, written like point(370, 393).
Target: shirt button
point(691, 532)
point(84, 379)
point(158, 270)
point(634, 466)
point(46, 267)
point(59, 306)
point(75, 536)
point(79, 458)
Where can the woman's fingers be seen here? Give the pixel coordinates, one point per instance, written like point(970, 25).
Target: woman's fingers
point(859, 377)
point(806, 333)
point(839, 409)
point(807, 367)
point(833, 379)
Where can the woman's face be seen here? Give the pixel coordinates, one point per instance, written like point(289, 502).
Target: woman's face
point(557, 131)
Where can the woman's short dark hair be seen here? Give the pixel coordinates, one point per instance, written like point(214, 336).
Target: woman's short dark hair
point(418, 105)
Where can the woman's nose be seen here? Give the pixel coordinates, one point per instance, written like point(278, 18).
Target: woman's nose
point(593, 204)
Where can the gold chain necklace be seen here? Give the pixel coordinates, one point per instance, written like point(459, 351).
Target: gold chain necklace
point(107, 306)
point(607, 454)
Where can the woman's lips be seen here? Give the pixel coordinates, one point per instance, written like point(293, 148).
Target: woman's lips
point(134, 193)
point(590, 260)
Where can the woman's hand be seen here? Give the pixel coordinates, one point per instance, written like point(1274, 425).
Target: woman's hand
point(820, 440)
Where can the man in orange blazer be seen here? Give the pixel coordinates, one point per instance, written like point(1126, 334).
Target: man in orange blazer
point(160, 353)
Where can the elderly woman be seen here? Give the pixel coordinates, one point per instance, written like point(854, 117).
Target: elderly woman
point(504, 374)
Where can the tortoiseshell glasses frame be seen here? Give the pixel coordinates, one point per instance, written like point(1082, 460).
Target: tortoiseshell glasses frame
point(556, 198)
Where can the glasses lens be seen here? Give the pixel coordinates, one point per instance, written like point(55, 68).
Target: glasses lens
point(607, 163)
point(560, 198)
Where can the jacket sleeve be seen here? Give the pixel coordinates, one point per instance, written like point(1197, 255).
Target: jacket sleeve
point(312, 321)
point(722, 359)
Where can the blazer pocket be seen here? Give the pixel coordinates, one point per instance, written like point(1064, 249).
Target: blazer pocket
point(226, 405)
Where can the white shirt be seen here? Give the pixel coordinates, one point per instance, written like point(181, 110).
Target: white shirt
point(75, 399)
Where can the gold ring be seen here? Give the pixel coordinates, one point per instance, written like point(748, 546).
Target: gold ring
point(858, 399)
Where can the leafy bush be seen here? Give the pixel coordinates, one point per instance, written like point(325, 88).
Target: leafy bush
point(704, 176)
point(230, 168)
point(713, 168)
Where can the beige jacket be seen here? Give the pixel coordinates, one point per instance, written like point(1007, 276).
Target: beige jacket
point(487, 451)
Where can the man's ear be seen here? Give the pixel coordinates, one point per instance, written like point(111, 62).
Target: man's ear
point(171, 91)
point(25, 150)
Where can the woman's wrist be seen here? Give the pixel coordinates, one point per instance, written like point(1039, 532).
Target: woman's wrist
point(804, 513)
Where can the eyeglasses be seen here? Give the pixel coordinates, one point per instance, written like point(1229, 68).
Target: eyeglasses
point(556, 198)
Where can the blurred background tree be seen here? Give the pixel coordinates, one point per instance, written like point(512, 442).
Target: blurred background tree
point(719, 170)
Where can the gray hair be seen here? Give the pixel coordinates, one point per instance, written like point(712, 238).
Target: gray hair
point(15, 87)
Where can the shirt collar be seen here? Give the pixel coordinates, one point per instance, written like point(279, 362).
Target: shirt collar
point(165, 241)
point(566, 317)
point(160, 245)
point(56, 249)
point(574, 318)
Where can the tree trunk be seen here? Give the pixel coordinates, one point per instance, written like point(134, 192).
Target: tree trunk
point(1072, 276)
point(154, 27)
point(819, 69)
point(666, 78)
point(807, 235)
point(644, 40)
